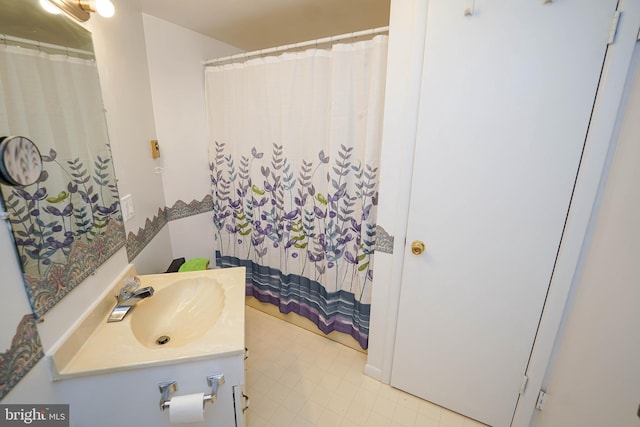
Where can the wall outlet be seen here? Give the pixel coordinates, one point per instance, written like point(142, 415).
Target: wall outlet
point(126, 204)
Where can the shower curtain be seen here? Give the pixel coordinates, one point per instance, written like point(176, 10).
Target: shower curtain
point(294, 152)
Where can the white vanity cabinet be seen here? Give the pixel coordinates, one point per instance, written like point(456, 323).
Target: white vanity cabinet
point(132, 398)
point(189, 329)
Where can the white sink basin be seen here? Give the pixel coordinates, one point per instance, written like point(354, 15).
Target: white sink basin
point(178, 314)
point(191, 316)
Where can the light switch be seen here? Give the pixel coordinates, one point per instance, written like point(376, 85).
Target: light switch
point(126, 204)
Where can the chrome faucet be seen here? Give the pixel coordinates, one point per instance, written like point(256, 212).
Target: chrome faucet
point(128, 296)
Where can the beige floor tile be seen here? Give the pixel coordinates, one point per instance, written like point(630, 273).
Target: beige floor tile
point(305, 386)
point(408, 401)
point(338, 404)
point(330, 381)
point(275, 372)
point(377, 420)
point(390, 393)
point(282, 417)
point(301, 379)
point(348, 423)
point(405, 416)
point(424, 421)
point(369, 383)
point(365, 397)
point(328, 418)
point(346, 389)
point(473, 423)
point(311, 411)
point(258, 384)
point(430, 410)
point(451, 419)
point(314, 374)
point(384, 406)
point(299, 421)
point(257, 421)
point(320, 396)
point(357, 413)
point(340, 369)
point(294, 401)
point(278, 391)
point(262, 406)
point(291, 377)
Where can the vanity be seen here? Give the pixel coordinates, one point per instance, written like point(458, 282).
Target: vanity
point(181, 345)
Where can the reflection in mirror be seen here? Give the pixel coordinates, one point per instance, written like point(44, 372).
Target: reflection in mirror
point(68, 221)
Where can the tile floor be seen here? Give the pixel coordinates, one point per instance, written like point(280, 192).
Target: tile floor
point(297, 378)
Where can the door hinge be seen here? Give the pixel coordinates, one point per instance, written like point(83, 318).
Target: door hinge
point(614, 27)
point(542, 396)
point(523, 384)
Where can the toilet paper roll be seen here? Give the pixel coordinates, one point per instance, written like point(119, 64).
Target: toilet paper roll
point(186, 409)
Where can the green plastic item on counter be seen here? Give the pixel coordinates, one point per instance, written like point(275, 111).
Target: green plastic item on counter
point(194, 264)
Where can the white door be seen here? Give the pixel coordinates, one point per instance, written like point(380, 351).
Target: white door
point(505, 104)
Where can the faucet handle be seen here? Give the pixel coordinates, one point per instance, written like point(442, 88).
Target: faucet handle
point(129, 286)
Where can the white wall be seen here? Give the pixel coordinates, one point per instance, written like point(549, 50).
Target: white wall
point(176, 73)
point(124, 76)
point(595, 380)
point(14, 303)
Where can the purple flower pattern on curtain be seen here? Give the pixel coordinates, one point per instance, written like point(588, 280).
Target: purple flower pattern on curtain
point(294, 154)
point(323, 235)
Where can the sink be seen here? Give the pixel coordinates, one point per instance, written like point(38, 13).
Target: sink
point(179, 313)
point(191, 316)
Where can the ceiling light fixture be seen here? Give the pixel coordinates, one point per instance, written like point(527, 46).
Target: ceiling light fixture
point(80, 9)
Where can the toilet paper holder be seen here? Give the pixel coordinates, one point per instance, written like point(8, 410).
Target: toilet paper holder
point(167, 388)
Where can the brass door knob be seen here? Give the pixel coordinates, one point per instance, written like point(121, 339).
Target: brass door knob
point(417, 247)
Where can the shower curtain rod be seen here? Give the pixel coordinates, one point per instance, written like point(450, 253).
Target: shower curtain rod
point(292, 46)
point(5, 38)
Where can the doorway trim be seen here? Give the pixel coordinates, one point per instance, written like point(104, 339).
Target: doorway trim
point(600, 145)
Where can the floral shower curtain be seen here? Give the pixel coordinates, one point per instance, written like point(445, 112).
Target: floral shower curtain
point(294, 153)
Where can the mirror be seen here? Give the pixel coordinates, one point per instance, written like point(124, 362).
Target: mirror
point(67, 221)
